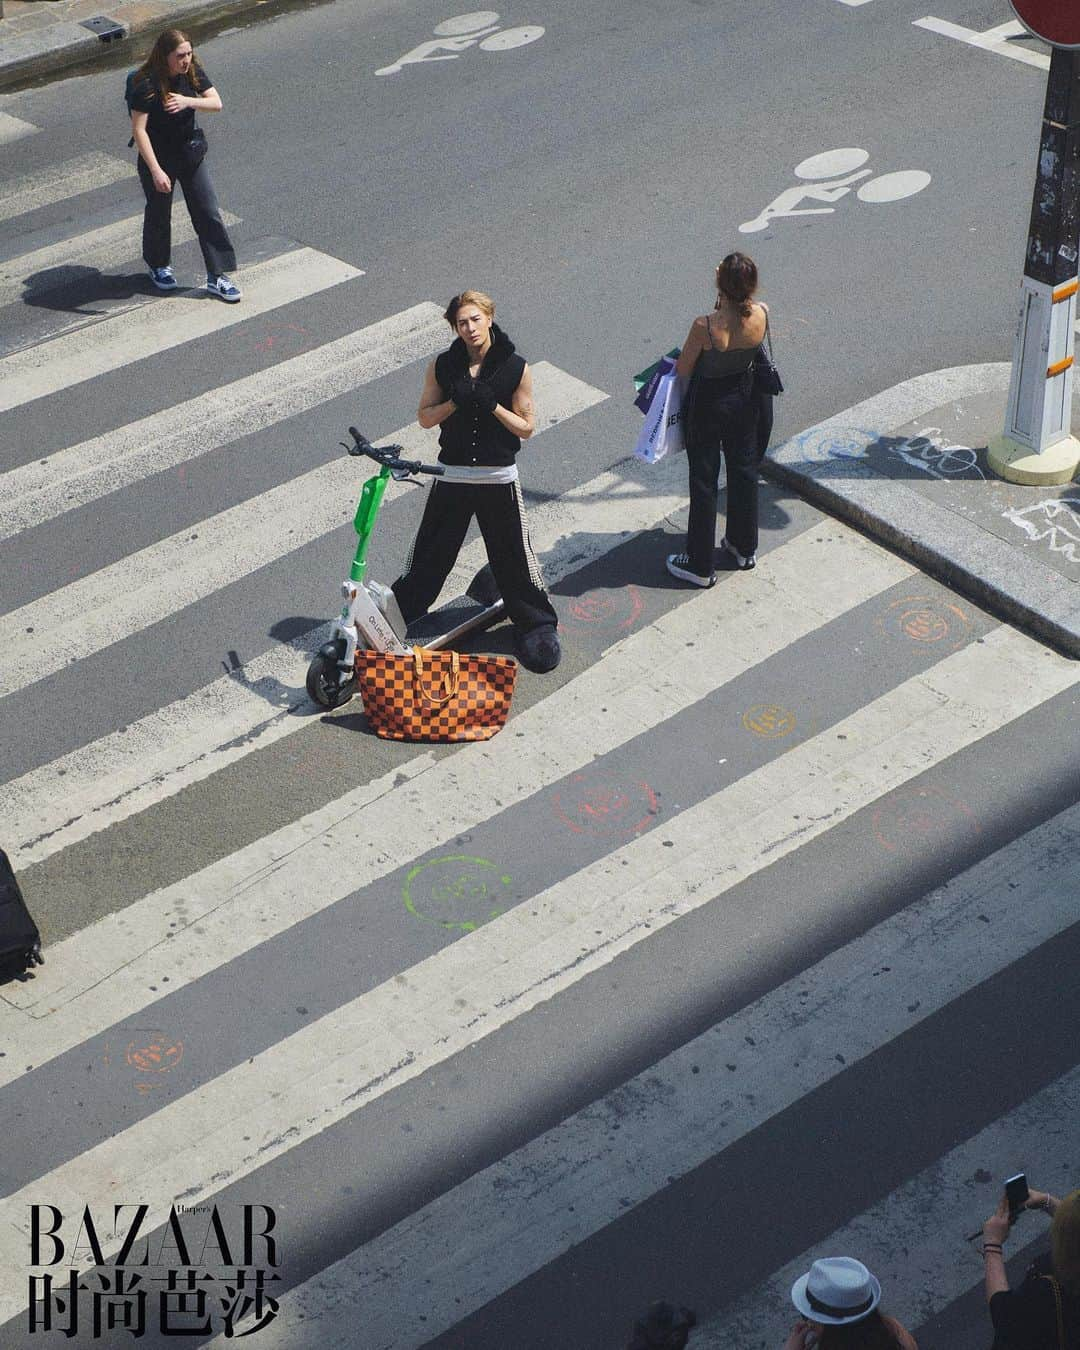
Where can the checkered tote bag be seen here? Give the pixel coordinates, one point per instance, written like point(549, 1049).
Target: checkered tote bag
point(435, 695)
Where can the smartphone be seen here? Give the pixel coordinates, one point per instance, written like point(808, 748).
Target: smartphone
point(1016, 1193)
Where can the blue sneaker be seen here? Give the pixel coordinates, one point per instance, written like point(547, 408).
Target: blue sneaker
point(163, 278)
point(223, 288)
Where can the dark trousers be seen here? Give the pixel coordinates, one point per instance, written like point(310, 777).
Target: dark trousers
point(764, 425)
point(202, 205)
point(730, 432)
point(500, 514)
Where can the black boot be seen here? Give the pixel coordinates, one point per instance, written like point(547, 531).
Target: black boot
point(538, 649)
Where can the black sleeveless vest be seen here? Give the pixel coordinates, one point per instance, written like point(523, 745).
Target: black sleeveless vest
point(469, 436)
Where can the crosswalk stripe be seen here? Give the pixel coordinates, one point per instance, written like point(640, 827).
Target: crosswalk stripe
point(97, 785)
point(147, 586)
point(913, 1239)
point(19, 196)
point(305, 1083)
point(46, 488)
point(581, 1175)
point(125, 338)
point(103, 249)
point(101, 975)
point(14, 128)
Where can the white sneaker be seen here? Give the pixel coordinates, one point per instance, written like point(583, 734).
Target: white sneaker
point(743, 564)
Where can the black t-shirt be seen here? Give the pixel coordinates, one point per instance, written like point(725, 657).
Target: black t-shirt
point(169, 131)
point(1025, 1318)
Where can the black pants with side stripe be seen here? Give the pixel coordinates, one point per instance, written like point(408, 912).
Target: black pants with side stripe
point(500, 514)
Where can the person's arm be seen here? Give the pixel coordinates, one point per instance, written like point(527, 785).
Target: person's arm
point(208, 101)
point(520, 417)
point(1042, 1200)
point(995, 1231)
point(684, 366)
point(142, 141)
point(435, 407)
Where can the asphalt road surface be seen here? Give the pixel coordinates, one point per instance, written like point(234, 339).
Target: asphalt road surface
point(749, 939)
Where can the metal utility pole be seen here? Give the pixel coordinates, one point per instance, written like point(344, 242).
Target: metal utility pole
point(1038, 445)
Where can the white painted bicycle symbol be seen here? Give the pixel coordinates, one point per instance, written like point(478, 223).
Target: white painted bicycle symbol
point(454, 36)
point(844, 167)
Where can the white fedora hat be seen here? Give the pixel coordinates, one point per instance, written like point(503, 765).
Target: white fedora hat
point(835, 1290)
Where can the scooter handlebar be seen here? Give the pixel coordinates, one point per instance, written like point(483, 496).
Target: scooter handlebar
point(390, 455)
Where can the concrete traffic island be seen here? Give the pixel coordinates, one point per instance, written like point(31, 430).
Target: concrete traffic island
point(911, 467)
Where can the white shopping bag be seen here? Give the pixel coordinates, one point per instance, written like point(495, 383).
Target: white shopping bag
point(662, 431)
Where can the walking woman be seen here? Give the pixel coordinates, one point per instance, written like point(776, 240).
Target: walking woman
point(723, 423)
point(165, 93)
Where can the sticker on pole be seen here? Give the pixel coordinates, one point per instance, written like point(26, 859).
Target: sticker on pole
point(1055, 21)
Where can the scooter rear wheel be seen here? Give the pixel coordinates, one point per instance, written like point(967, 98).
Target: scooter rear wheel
point(325, 685)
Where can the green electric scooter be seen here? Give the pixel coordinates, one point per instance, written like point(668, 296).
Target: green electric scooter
point(371, 617)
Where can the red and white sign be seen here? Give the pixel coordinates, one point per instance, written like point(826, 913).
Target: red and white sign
point(1055, 21)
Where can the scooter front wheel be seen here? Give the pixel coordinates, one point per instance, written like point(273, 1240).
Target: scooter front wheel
point(325, 684)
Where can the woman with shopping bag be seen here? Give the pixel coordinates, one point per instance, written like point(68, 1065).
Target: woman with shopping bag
point(720, 421)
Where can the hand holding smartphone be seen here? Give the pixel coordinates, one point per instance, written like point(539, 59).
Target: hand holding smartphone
point(1016, 1193)
point(1016, 1197)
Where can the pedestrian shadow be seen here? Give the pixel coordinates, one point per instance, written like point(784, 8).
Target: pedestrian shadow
point(72, 288)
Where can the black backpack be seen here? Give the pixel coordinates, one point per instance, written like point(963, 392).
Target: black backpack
point(20, 941)
point(129, 97)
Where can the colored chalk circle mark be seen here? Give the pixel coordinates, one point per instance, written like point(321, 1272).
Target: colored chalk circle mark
point(619, 609)
point(769, 720)
point(923, 625)
point(832, 163)
point(893, 187)
point(511, 37)
point(463, 24)
point(919, 815)
point(925, 619)
point(458, 892)
point(601, 807)
point(154, 1052)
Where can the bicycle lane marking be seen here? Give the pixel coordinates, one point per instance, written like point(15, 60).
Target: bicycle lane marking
point(995, 40)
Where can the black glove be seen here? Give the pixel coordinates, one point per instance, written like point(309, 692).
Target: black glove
point(462, 391)
point(484, 396)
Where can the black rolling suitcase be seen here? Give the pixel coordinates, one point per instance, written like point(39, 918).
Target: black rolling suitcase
point(20, 941)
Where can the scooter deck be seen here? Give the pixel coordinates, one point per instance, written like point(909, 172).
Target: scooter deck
point(451, 620)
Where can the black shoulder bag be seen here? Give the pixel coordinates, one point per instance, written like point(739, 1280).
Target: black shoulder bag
point(766, 377)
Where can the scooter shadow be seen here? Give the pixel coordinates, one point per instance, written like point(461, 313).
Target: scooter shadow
point(305, 636)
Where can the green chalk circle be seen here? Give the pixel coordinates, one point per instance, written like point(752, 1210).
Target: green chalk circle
point(457, 892)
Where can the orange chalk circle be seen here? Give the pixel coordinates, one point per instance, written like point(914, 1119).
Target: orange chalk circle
point(154, 1052)
point(923, 625)
point(769, 720)
point(925, 619)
